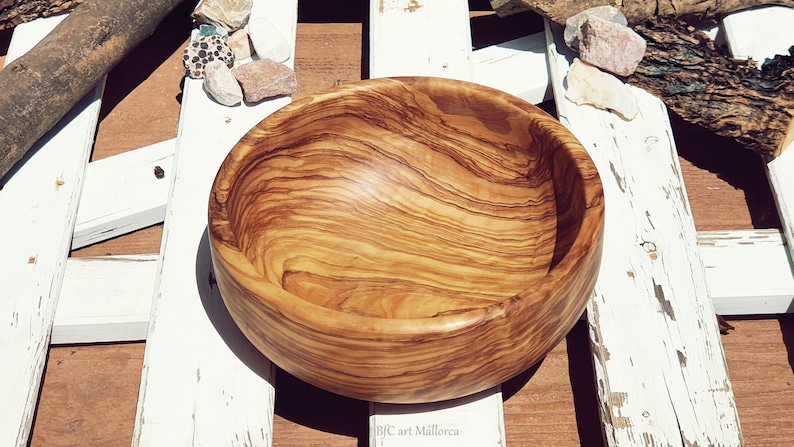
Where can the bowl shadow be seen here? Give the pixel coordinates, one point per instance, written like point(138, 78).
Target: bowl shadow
point(296, 400)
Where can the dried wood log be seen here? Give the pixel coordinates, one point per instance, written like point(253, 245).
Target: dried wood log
point(40, 87)
point(14, 12)
point(703, 85)
point(635, 11)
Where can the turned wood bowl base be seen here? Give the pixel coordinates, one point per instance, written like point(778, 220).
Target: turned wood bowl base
point(406, 240)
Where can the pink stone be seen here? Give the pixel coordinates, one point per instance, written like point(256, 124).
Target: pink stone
point(240, 45)
point(264, 79)
point(610, 46)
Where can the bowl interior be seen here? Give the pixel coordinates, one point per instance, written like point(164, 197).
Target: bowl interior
point(398, 199)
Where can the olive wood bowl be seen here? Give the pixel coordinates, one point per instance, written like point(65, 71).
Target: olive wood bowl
point(406, 240)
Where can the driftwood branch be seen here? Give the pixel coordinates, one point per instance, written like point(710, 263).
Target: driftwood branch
point(40, 87)
point(704, 86)
point(14, 12)
point(636, 11)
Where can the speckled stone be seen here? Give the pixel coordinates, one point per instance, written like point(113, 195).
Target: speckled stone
point(265, 78)
point(221, 84)
point(229, 14)
point(206, 49)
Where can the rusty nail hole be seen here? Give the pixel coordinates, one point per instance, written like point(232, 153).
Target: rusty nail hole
point(158, 172)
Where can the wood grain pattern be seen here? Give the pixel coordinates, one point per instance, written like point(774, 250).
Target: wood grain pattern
point(368, 237)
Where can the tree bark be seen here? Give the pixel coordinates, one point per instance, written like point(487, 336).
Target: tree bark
point(636, 11)
point(14, 12)
point(706, 87)
point(40, 87)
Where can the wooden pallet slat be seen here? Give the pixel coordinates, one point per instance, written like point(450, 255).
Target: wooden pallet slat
point(122, 194)
point(517, 67)
point(404, 41)
point(658, 361)
point(748, 272)
point(39, 203)
point(105, 299)
point(411, 39)
point(203, 383)
point(761, 34)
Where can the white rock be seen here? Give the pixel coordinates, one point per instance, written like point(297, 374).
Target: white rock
point(228, 14)
point(221, 84)
point(574, 23)
point(267, 40)
point(589, 85)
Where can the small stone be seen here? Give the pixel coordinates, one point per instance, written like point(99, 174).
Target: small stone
point(610, 46)
point(206, 49)
point(240, 44)
point(229, 14)
point(265, 78)
point(221, 84)
point(267, 40)
point(574, 23)
point(205, 30)
point(589, 85)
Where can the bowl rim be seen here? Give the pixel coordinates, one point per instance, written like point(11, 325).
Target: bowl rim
point(319, 317)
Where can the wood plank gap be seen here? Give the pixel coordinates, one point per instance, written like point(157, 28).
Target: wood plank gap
point(203, 383)
point(40, 203)
point(660, 370)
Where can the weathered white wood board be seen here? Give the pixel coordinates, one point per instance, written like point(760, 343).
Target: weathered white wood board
point(122, 194)
point(476, 420)
point(658, 361)
point(517, 67)
point(105, 299)
point(108, 299)
point(203, 383)
point(780, 172)
point(429, 39)
point(748, 272)
point(761, 34)
point(39, 203)
point(409, 38)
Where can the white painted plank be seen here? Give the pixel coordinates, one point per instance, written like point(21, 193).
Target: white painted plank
point(517, 67)
point(108, 298)
point(780, 172)
point(105, 299)
point(761, 34)
point(409, 38)
point(658, 361)
point(459, 422)
point(431, 39)
point(122, 194)
point(39, 203)
point(203, 383)
point(748, 272)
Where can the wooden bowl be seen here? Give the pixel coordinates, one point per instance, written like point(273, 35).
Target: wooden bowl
point(406, 240)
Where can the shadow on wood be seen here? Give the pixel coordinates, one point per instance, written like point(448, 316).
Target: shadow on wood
point(221, 319)
point(740, 167)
